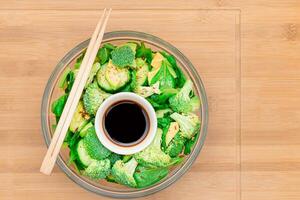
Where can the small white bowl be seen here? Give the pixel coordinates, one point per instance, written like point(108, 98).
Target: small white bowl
point(118, 147)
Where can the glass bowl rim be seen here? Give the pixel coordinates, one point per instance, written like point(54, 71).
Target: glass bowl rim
point(204, 114)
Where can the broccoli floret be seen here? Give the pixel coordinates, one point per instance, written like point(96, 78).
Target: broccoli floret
point(182, 102)
point(98, 169)
point(123, 56)
point(189, 123)
point(146, 91)
point(145, 177)
point(123, 172)
point(93, 146)
point(153, 156)
point(93, 98)
point(176, 145)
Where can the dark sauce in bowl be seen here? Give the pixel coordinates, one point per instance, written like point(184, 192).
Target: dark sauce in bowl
point(126, 123)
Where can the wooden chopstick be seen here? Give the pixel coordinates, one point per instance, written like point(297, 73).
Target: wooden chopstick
point(74, 96)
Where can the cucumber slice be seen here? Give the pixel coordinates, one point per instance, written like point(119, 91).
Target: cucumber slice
point(116, 77)
point(80, 118)
point(83, 156)
point(102, 82)
point(142, 71)
point(83, 131)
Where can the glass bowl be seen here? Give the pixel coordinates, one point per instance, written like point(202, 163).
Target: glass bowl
point(52, 91)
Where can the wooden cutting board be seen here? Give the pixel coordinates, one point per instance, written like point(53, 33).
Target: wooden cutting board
point(247, 54)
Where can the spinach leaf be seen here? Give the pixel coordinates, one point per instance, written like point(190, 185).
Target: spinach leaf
point(70, 81)
point(180, 80)
point(148, 176)
point(58, 105)
point(143, 52)
point(190, 144)
point(79, 60)
point(109, 46)
point(103, 55)
point(164, 96)
point(164, 76)
point(164, 122)
point(62, 83)
point(155, 105)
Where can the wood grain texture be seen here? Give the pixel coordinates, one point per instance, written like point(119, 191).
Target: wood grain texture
point(252, 148)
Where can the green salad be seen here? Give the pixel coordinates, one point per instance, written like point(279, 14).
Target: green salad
point(131, 67)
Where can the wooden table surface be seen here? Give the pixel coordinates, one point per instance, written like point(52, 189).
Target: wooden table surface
point(247, 53)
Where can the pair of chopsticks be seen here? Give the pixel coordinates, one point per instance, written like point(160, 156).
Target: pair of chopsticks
point(75, 94)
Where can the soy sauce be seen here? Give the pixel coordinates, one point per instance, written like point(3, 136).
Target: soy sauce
point(126, 122)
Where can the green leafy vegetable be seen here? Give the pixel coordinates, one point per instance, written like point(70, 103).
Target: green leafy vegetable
point(143, 52)
point(113, 157)
point(70, 81)
point(157, 106)
point(164, 96)
point(109, 46)
point(79, 61)
point(162, 113)
point(180, 75)
point(190, 144)
point(145, 177)
point(62, 83)
point(103, 55)
point(163, 75)
point(131, 67)
point(58, 105)
point(126, 158)
point(163, 122)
